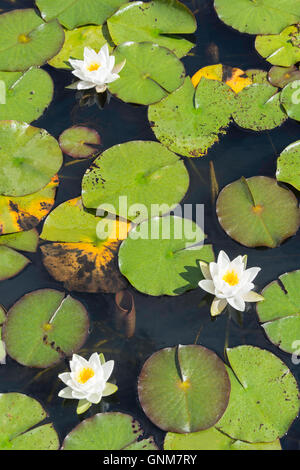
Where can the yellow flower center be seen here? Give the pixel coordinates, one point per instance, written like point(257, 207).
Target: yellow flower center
point(184, 385)
point(23, 38)
point(85, 374)
point(231, 278)
point(93, 67)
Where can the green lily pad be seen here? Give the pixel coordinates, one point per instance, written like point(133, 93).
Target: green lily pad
point(26, 40)
point(280, 49)
point(108, 431)
point(212, 439)
point(22, 241)
point(2, 345)
point(27, 94)
point(266, 213)
point(151, 72)
point(290, 99)
point(281, 76)
point(258, 108)
point(30, 157)
point(167, 247)
point(258, 17)
point(37, 331)
point(288, 165)
point(74, 13)
point(188, 121)
point(12, 262)
point(21, 427)
point(264, 399)
point(75, 42)
point(145, 172)
point(184, 389)
point(279, 313)
point(257, 76)
point(78, 141)
point(160, 22)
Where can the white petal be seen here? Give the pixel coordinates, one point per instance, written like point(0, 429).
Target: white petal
point(217, 306)
point(78, 395)
point(251, 273)
point(105, 50)
point(94, 361)
point(76, 64)
point(89, 54)
point(237, 302)
point(109, 389)
point(66, 393)
point(111, 62)
point(208, 286)
point(112, 77)
point(213, 267)
point(205, 270)
point(94, 397)
point(223, 259)
point(119, 67)
point(107, 369)
point(85, 85)
point(65, 377)
point(252, 297)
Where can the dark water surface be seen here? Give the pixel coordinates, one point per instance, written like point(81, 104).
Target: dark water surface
point(162, 321)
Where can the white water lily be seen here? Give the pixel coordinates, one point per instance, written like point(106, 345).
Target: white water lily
point(230, 282)
point(87, 379)
point(95, 70)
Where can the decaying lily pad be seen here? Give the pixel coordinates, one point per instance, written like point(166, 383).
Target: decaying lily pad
point(12, 262)
point(281, 76)
point(153, 179)
point(79, 141)
point(30, 157)
point(258, 108)
point(27, 94)
point(184, 389)
point(258, 17)
point(26, 40)
point(21, 427)
point(37, 330)
point(280, 311)
point(288, 165)
point(108, 431)
point(159, 22)
point(189, 121)
point(280, 49)
point(167, 247)
point(290, 99)
point(84, 255)
point(264, 398)
point(235, 78)
point(151, 72)
point(266, 213)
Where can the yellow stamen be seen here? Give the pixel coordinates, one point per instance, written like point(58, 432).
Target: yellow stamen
point(257, 209)
point(93, 67)
point(23, 38)
point(85, 374)
point(231, 278)
point(48, 327)
point(185, 385)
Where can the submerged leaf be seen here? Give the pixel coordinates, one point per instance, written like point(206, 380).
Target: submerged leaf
point(79, 141)
point(281, 76)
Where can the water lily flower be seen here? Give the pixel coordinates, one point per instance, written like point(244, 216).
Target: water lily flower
point(230, 282)
point(87, 379)
point(95, 70)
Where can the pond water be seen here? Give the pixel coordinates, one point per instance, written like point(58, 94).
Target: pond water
point(161, 321)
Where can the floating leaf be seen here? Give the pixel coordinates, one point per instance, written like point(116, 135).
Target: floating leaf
point(30, 157)
point(184, 389)
point(108, 431)
point(27, 94)
point(288, 165)
point(26, 40)
point(280, 49)
point(258, 108)
point(263, 17)
point(73, 13)
point(164, 246)
point(266, 213)
point(37, 331)
point(2, 345)
point(235, 78)
point(151, 72)
point(85, 260)
point(188, 121)
point(257, 76)
point(12, 262)
point(281, 76)
point(20, 424)
point(160, 22)
point(78, 141)
point(75, 42)
point(280, 311)
point(26, 212)
point(23, 241)
point(290, 99)
point(264, 396)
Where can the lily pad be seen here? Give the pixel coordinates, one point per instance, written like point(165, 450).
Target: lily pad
point(151, 72)
point(212, 439)
point(264, 397)
point(30, 157)
point(258, 17)
point(27, 94)
point(280, 49)
point(257, 76)
point(2, 345)
point(75, 42)
point(188, 121)
point(12, 262)
point(266, 213)
point(26, 40)
point(160, 22)
point(21, 427)
point(184, 389)
point(22, 241)
point(167, 247)
point(281, 76)
point(85, 255)
point(288, 165)
point(279, 313)
point(258, 108)
point(235, 78)
point(37, 331)
point(108, 431)
point(290, 99)
point(78, 141)
point(26, 212)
